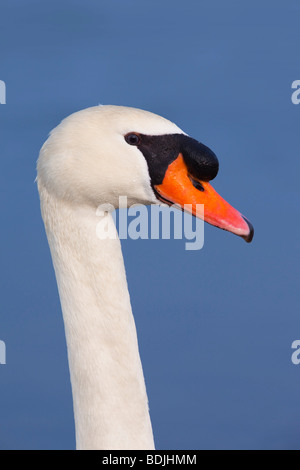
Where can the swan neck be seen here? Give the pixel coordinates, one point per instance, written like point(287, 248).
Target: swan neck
point(109, 394)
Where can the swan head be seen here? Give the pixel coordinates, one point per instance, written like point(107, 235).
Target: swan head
point(101, 153)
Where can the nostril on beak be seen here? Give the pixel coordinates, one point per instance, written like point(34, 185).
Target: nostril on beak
point(196, 183)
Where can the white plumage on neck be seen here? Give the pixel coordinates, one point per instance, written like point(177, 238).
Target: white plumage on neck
point(110, 401)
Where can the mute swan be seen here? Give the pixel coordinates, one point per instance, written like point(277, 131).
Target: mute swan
point(91, 158)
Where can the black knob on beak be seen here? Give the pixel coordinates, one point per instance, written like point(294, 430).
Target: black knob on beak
point(201, 162)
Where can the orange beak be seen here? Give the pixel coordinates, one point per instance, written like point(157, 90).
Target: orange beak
point(178, 187)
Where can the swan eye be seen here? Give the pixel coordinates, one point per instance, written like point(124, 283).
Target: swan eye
point(132, 139)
